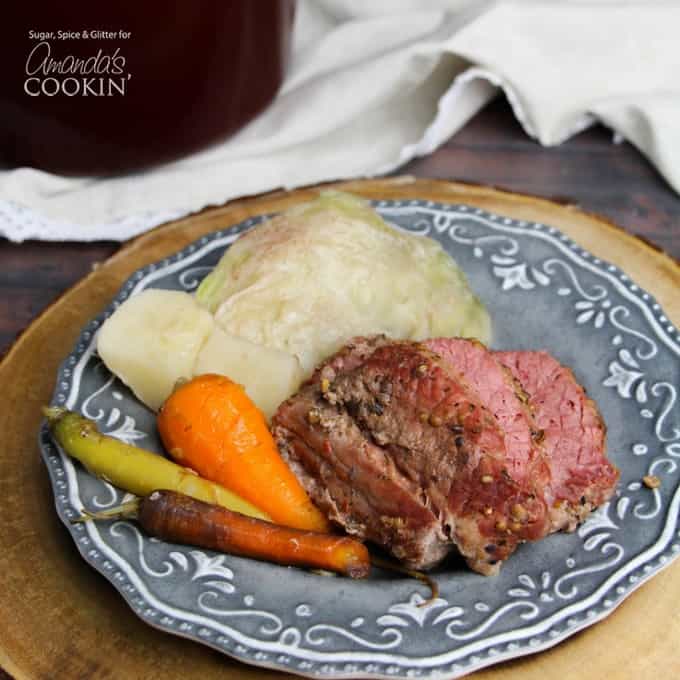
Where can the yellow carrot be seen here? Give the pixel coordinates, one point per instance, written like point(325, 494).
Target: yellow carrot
point(134, 469)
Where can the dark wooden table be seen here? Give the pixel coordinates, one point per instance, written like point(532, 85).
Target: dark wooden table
point(590, 171)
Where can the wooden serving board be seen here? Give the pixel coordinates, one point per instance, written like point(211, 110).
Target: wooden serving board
point(61, 619)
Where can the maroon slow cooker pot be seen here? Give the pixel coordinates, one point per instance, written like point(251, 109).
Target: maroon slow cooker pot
point(93, 88)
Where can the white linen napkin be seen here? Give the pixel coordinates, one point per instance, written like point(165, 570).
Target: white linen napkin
point(374, 84)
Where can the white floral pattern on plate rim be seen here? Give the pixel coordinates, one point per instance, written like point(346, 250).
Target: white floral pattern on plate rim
point(543, 594)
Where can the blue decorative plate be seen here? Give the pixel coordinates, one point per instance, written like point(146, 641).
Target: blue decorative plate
point(543, 291)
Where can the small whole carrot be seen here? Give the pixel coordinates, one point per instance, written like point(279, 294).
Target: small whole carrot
point(131, 468)
point(210, 425)
point(178, 518)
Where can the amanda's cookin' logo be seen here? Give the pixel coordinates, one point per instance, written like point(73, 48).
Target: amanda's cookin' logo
point(101, 75)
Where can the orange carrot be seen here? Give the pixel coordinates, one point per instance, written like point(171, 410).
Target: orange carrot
point(177, 518)
point(210, 425)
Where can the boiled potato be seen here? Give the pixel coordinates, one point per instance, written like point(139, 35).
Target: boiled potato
point(159, 336)
point(268, 375)
point(152, 340)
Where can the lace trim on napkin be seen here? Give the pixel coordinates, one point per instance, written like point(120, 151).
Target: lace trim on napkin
point(19, 223)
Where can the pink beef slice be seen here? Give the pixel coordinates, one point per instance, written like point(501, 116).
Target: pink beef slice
point(505, 398)
point(574, 437)
point(395, 446)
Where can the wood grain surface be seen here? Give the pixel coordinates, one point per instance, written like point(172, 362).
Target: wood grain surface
point(60, 619)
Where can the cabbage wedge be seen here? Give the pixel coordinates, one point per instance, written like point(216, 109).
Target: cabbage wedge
point(311, 278)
